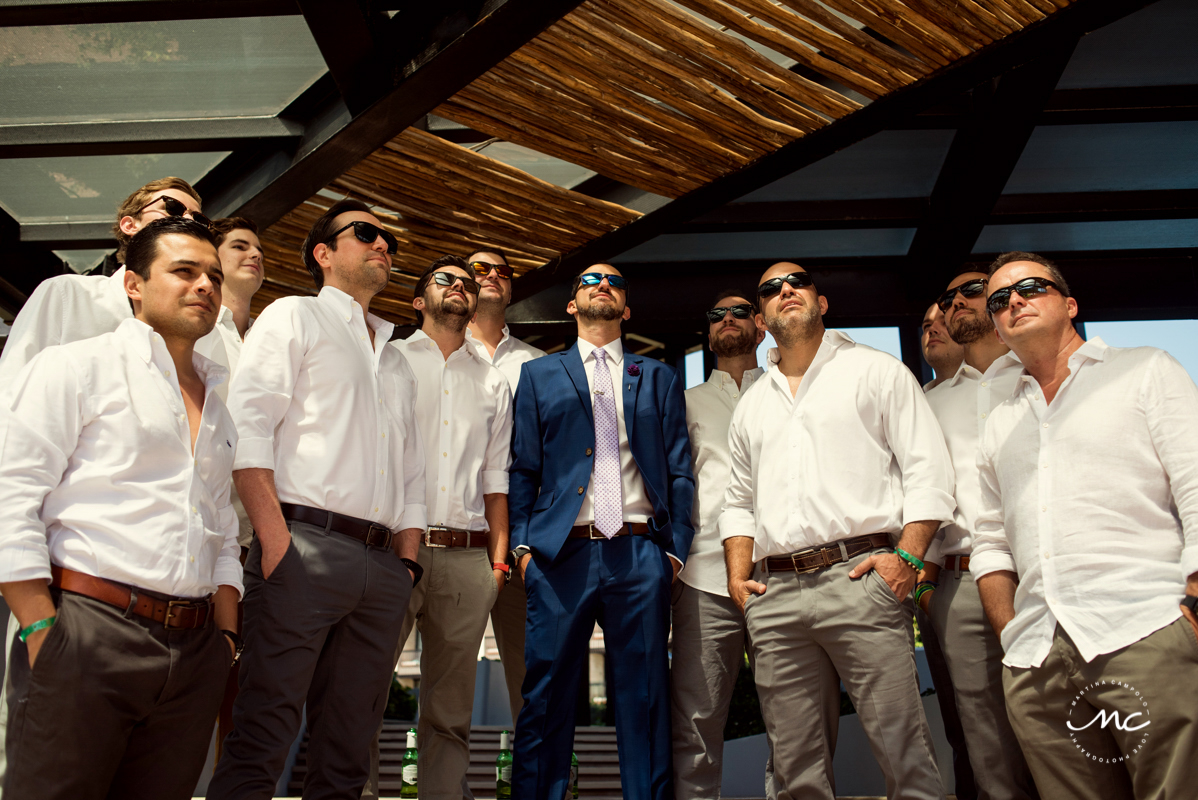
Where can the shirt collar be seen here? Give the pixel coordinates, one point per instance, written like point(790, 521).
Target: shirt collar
point(145, 340)
point(1095, 349)
point(420, 338)
point(614, 350)
point(502, 339)
point(347, 307)
point(116, 285)
point(720, 378)
point(834, 339)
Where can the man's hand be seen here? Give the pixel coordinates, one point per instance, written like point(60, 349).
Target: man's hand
point(925, 601)
point(677, 565)
point(740, 590)
point(894, 570)
point(500, 579)
point(997, 590)
point(524, 559)
point(272, 554)
point(1191, 589)
point(34, 644)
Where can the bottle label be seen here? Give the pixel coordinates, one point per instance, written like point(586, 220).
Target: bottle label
point(409, 774)
point(504, 774)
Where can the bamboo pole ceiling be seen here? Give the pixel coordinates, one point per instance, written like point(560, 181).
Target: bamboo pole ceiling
point(649, 93)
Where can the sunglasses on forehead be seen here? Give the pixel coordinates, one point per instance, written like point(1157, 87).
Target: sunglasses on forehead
point(596, 278)
point(738, 311)
point(449, 279)
point(368, 233)
point(483, 269)
point(968, 289)
point(774, 285)
point(175, 208)
point(1027, 289)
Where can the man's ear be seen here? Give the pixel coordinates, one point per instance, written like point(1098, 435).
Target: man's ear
point(418, 303)
point(128, 225)
point(1071, 306)
point(627, 313)
point(133, 284)
point(760, 329)
point(823, 305)
point(571, 308)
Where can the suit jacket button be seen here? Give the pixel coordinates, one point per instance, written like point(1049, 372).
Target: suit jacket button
point(588, 451)
point(581, 490)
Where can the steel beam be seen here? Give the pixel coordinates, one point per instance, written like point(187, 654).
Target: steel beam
point(141, 136)
point(61, 12)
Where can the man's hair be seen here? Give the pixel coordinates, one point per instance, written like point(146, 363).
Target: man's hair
point(426, 277)
point(495, 251)
point(143, 247)
point(730, 292)
point(136, 201)
point(221, 228)
point(578, 282)
point(322, 230)
point(1053, 271)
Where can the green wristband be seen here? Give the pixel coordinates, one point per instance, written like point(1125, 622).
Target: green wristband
point(910, 559)
point(40, 625)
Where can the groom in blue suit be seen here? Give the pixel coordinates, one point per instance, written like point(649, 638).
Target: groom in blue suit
point(600, 506)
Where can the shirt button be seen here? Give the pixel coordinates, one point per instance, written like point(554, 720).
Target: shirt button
point(983, 416)
point(580, 490)
point(735, 395)
point(166, 372)
point(347, 319)
point(1045, 424)
point(1047, 554)
point(1043, 508)
point(192, 559)
point(588, 451)
point(376, 508)
point(442, 488)
point(446, 391)
point(985, 383)
point(384, 436)
point(382, 472)
point(380, 399)
point(445, 455)
point(193, 509)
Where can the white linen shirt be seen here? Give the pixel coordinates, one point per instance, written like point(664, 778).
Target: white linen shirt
point(962, 405)
point(464, 411)
point(509, 355)
point(637, 505)
point(98, 475)
point(223, 345)
point(709, 408)
point(332, 416)
point(1092, 501)
point(62, 309)
point(855, 451)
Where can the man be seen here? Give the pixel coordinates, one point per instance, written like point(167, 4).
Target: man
point(464, 413)
point(939, 350)
point(118, 552)
point(488, 333)
point(331, 471)
point(839, 473)
point(241, 258)
point(601, 494)
point(962, 404)
point(709, 629)
point(1087, 541)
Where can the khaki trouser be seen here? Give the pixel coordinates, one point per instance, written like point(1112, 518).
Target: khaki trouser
point(809, 632)
point(1156, 677)
point(449, 607)
point(974, 658)
point(508, 618)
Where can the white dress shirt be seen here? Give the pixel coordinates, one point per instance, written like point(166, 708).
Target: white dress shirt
point(509, 355)
point(62, 309)
point(855, 451)
point(223, 345)
point(1092, 501)
point(962, 405)
point(637, 505)
point(464, 412)
point(709, 408)
point(98, 475)
point(331, 415)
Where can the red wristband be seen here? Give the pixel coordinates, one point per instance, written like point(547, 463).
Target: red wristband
point(505, 568)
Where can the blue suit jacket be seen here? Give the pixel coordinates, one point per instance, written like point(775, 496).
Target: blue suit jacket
point(553, 438)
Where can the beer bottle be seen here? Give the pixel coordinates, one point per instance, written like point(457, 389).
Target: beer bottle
point(503, 768)
point(408, 787)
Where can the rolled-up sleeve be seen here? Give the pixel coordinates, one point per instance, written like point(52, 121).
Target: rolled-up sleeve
point(915, 438)
point(991, 549)
point(497, 460)
point(415, 512)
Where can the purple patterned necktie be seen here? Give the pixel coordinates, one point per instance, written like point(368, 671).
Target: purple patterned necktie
point(606, 491)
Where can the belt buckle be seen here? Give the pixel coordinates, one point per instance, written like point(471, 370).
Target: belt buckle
point(387, 534)
point(428, 542)
point(594, 534)
point(170, 605)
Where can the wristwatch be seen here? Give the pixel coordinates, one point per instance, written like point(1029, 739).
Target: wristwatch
point(238, 645)
point(1191, 602)
point(417, 570)
point(506, 569)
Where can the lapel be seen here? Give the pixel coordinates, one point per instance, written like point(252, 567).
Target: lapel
point(572, 362)
point(629, 387)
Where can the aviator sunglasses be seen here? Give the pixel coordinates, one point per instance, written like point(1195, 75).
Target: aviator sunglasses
point(483, 269)
point(774, 285)
point(968, 289)
point(449, 279)
point(367, 233)
point(596, 278)
point(1027, 288)
point(175, 208)
point(739, 311)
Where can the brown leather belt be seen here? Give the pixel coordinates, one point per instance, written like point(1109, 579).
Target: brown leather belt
point(440, 536)
point(950, 562)
point(591, 532)
point(817, 558)
point(368, 533)
point(180, 613)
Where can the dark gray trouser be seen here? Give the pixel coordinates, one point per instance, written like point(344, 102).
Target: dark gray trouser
point(974, 658)
point(708, 650)
point(947, 700)
point(322, 629)
point(508, 617)
point(115, 707)
point(810, 632)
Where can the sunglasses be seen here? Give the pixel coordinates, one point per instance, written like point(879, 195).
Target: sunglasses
point(596, 278)
point(968, 289)
point(774, 285)
point(1027, 288)
point(483, 269)
point(449, 279)
point(368, 233)
point(175, 208)
point(739, 311)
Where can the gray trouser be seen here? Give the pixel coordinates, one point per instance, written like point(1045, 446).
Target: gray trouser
point(115, 707)
point(14, 627)
point(449, 607)
point(508, 617)
point(974, 658)
point(324, 629)
point(809, 632)
point(1152, 755)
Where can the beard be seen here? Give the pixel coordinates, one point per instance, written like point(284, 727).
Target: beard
point(791, 329)
point(452, 313)
point(737, 343)
point(970, 329)
point(490, 305)
point(597, 312)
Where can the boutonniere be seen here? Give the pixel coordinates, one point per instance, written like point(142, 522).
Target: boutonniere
point(634, 370)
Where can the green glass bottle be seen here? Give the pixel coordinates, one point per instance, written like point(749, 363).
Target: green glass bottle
point(503, 767)
point(408, 787)
point(573, 776)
